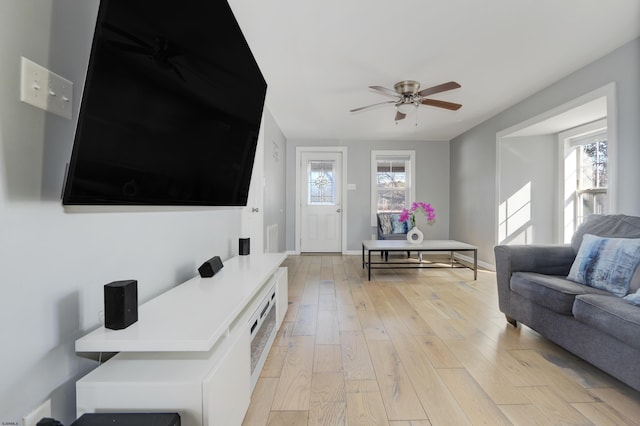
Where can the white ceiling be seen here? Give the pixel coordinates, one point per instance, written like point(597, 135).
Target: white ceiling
point(319, 57)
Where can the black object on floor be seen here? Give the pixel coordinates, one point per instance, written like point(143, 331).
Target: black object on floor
point(128, 419)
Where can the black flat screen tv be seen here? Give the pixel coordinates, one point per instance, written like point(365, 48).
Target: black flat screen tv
point(171, 108)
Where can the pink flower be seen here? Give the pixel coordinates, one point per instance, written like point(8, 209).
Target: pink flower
point(427, 208)
point(404, 215)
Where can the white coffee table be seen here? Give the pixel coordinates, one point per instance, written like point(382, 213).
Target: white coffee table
point(450, 246)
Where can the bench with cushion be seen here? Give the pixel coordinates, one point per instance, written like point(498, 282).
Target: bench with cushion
point(390, 228)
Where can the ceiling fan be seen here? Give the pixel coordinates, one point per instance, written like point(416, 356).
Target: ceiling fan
point(408, 97)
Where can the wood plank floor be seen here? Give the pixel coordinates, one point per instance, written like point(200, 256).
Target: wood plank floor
point(419, 347)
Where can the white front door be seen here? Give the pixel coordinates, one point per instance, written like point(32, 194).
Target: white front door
point(321, 202)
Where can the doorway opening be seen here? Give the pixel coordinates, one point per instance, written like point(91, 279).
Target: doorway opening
point(537, 176)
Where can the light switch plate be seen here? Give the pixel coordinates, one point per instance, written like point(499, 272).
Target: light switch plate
point(45, 89)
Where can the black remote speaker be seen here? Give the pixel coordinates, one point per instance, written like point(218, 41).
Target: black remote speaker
point(120, 304)
point(210, 267)
point(243, 246)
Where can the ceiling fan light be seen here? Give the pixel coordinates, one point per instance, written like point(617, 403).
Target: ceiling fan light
point(406, 108)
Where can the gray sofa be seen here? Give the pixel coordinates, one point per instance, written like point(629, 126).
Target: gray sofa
point(595, 325)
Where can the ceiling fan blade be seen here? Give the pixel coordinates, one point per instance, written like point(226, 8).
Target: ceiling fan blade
point(441, 104)
point(439, 88)
point(371, 106)
point(386, 92)
point(400, 116)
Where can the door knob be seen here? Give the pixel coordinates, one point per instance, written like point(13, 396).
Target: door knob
point(339, 210)
point(255, 210)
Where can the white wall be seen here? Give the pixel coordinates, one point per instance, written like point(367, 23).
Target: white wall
point(275, 160)
point(54, 263)
point(528, 169)
point(473, 154)
point(432, 176)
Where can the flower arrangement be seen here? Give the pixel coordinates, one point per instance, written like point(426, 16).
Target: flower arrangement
point(428, 210)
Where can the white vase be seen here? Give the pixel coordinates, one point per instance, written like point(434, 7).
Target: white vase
point(415, 236)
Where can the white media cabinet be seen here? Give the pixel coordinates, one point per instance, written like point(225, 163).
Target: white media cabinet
point(190, 350)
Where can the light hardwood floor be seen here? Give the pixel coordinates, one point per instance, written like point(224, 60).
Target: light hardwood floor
point(419, 347)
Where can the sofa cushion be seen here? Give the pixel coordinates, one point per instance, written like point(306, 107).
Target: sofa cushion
point(611, 315)
point(552, 292)
point(634, 285)
point(606, 263)
point(618, 225)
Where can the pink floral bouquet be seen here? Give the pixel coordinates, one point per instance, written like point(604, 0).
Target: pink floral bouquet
point(428, 210)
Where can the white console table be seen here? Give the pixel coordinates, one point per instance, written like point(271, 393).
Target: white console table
point(189, 351)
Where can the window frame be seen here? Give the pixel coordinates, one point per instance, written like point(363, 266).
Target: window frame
point(578, 143)
point(571, 141)
point(407, 155)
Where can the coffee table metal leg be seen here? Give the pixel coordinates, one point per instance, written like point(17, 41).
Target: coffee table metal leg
point(475, 264)
point(369, 265)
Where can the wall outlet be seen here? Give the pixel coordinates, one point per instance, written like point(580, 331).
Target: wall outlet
point(45, 89)
point(34, 417)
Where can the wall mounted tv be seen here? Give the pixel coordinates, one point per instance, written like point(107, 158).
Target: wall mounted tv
point(171, 107)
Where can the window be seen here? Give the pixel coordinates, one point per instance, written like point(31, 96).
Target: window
point(591, 192)
point(321, 188)
point(586, 174)
point(392, 177)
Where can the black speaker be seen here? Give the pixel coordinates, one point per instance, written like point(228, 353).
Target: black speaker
point(243, 246)
point(210, 267)
point(120, 304)
point(128, 419)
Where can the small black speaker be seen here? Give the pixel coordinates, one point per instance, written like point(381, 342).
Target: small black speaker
point(243, 246)
point(210, 267)
point(120, 304)
point(128, 419)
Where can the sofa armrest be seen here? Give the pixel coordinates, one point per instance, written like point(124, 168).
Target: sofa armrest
point(543, 259)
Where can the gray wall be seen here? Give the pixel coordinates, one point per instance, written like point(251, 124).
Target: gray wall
point(473, 154)
point(432, 175)
point(529, 165)
point(54, 263)
point(275, 160)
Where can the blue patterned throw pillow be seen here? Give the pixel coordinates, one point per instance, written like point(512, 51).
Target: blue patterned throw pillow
point(397, 227)
point(408, 226)
point(606, 263)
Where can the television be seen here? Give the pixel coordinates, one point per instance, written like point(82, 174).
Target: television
point(171, 108)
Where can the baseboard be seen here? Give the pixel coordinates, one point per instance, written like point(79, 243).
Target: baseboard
point(481, 264)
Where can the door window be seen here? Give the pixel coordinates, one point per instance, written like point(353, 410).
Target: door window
point(320, 181)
